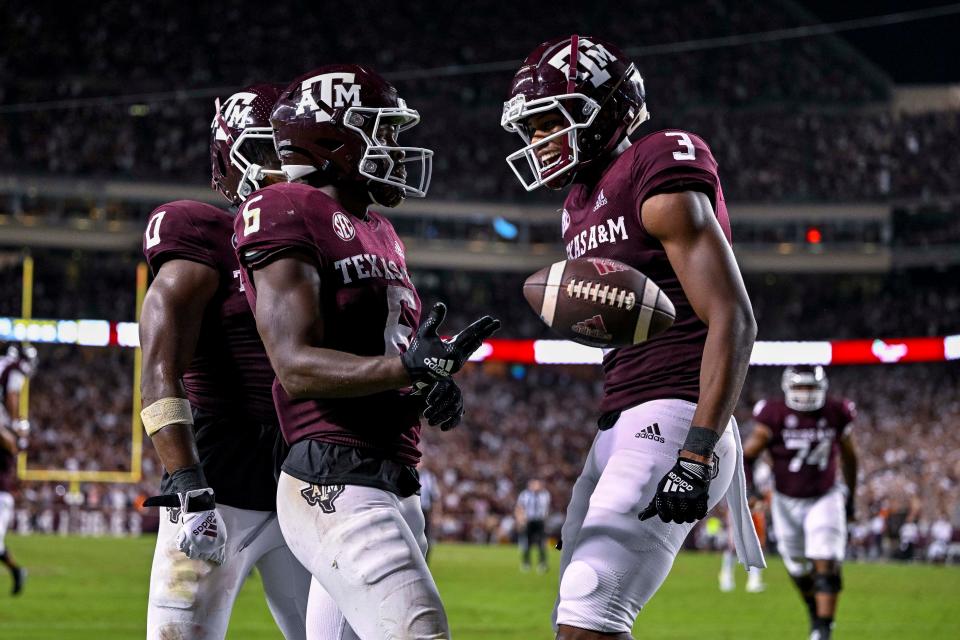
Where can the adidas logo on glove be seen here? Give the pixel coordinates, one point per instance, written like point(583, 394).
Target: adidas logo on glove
point(440, 366)
point(676, 483)
point(651, 433)
point(207, 526)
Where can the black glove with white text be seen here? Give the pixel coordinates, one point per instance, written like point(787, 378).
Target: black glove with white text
point(430, 357)
point(682, 493)
point(444, 405)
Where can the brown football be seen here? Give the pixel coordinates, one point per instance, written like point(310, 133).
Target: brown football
point(599, 302)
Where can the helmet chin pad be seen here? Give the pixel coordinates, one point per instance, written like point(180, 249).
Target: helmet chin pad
point(805, 399)
point(384, 195)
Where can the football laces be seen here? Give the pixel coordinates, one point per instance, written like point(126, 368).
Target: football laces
point(601, 293)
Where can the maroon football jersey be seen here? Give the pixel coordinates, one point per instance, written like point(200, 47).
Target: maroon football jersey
point(601, 219)
point(230, 372)
point(8, 461)
point(8, 471)
point(804, 444)
point(368, 305)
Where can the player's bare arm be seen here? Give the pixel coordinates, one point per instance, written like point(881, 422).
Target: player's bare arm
point(753, 446)
point(757, 442)
point(170, 322)
point(8, 440)
point(848, 464)
point(12, 404)
point(289, 321)
point(704, 263)
point(701, 257)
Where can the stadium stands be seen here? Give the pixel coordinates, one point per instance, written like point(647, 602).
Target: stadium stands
point(789, 120)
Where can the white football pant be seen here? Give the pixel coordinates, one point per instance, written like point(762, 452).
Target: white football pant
point(6, 517)
point(365, 548)
point(194, 598)
point(611, 562)
point(810, 529)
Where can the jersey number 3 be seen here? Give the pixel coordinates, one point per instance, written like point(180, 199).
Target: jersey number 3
point(684, 141)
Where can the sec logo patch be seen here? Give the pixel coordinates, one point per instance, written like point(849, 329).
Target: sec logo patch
point(343, 227)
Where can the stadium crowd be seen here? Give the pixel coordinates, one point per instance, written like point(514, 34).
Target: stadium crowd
point(895, 304)
point(802, 120)
point(521, 422)
point(788, 120)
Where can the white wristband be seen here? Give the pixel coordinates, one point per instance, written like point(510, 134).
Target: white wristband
point(165, 411)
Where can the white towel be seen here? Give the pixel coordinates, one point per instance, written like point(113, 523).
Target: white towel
point(749, 552)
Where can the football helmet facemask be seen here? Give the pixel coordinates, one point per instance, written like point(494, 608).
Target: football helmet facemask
point(242, 153)
point(804, 387)
point(593, 87)
point(343, 121)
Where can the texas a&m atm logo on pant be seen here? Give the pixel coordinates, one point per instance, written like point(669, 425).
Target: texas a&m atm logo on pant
point(323, 495)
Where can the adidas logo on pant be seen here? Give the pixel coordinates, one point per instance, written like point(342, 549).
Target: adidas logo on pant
point(441, 366)
point(650, 433)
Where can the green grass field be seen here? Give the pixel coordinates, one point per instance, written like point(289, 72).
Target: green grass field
point(82, 588)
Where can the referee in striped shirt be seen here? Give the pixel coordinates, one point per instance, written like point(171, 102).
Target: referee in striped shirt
point(533, 506)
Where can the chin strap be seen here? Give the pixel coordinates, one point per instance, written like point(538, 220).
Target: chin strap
point(373, 198)
point(249, 181)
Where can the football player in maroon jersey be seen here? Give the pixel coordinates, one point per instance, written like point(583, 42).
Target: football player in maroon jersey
point(16, 366)
point(657, 205)
point(804, 432)
point(207, 401)
point(326, 276)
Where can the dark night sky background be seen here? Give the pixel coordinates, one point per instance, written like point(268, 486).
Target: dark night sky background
point(924, 51)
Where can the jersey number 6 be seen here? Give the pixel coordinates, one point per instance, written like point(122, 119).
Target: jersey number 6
point(251, 217)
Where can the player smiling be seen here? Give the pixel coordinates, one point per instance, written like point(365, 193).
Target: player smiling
point(657, 206)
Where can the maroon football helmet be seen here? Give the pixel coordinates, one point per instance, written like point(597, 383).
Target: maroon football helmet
point(25, 355)
point(241, 142)
point(342, 121)
point(594, 87)
point(804, 387)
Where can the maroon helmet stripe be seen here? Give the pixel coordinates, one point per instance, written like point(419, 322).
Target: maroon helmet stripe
point(223, 123)
point(571, 86)
point(574, 61)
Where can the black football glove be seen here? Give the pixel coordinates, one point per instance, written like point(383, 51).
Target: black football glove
point(429, 357)
point(444, 405)
point(682, 493)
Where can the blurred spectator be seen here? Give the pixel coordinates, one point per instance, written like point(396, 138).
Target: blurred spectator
point(799, 119)
point(518, 419)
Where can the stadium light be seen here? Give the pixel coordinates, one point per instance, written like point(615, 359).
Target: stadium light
point(101, 333)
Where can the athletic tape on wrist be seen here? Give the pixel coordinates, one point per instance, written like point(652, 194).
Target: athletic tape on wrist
point(165, 411)
point(701, 441)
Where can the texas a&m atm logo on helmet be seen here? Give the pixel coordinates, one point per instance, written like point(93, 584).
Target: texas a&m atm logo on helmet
point(340, 123)
point(593, 86)
point(242, 154)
